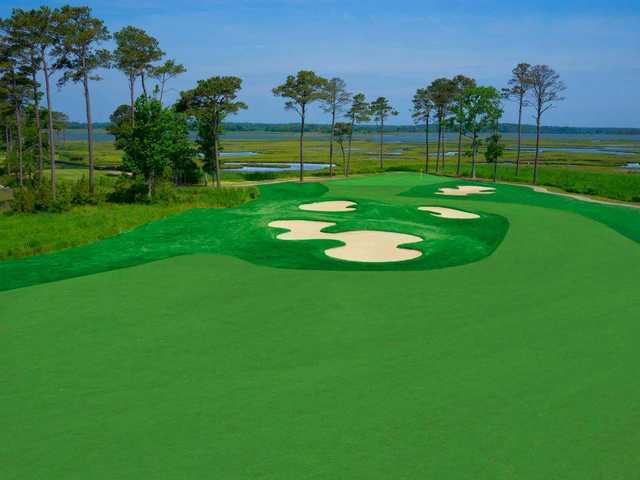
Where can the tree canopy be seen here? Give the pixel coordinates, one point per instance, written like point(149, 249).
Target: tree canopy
point(157, 141)
point(209, 103)
point(299, 91)
point(165, 72)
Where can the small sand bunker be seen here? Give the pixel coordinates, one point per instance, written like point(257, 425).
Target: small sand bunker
point(443, 212)
point(464, 190)
point(302, 229)
point(332, 206)
point(359, 246)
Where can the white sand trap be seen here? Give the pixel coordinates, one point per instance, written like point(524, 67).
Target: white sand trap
point(449, 213)
point(359, 246)
point(333, 206)
point(464, 190)
point(302, 229)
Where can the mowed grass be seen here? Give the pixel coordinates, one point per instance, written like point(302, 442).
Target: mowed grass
point(522, 365)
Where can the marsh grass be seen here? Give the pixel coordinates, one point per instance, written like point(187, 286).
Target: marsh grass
point(32, 234)
point(597, 174)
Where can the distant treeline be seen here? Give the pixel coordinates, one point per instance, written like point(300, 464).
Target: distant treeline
point(322, 128)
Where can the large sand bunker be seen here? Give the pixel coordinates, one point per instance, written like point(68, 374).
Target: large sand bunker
point(443, 212)
point(330, 206)
point(464, 190)
point(359, 246)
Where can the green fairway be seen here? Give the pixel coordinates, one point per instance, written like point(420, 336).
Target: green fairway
point(201, 346)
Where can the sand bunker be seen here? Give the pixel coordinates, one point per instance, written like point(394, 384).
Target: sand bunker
point(333, 206)
point(359, 246)
point(464, 190)
point(449, 213)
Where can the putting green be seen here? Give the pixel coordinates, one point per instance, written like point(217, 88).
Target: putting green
point(515, 357)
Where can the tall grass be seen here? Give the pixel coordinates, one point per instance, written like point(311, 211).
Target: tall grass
point(623, 186)
point(32, 234)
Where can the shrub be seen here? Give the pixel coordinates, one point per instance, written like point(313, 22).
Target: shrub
point(38, 198)
point(216, 197)
point(35, 197)
point(129, 190)
point(257, 176)
point(136, 190)
point(24, 201)
point(64, 197)
point(164, 192)
point(80, 193)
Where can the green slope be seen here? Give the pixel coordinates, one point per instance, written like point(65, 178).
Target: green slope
point(520, 365)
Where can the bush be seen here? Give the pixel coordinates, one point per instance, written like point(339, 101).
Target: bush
point(24, 200)
point(187, 172)
point(257, 176)
point(80, 193)
point(64, 197)
point(215, 197)
point(129, 190)
point(164, 192)
point(37, 197)
point(136, 190)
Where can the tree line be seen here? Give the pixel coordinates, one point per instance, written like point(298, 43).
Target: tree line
point(322, 128)
point(457, 104)
point(469, 109)
point(66, 43)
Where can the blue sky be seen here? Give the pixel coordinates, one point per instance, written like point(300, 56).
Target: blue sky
point(385, 48)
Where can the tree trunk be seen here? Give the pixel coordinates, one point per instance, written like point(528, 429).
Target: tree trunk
point(302, 144)
point(7, 148)
point(216, 157)
point(439, 143)
point(36, 111)
point(162, 82)
point(132, 86)
point(442, 151)
point(52, 148)
point(150, 185)
point(475, 150)
point(519, 133)
point(535, 161)
point(87, 101)
point(144, 86)
point(381, 142)
point(348, 164)
point(495, 160)
point(459, 151)
point(19, 140)
point(333, 125)
point(426, 145)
